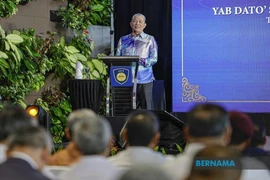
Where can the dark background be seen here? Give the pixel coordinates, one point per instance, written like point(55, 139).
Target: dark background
point(158, 15)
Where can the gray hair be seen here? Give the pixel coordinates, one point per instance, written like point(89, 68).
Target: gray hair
point(138, 14)
point(34, 137)
point(145, 172)
point(78, 115)
point(92, 136)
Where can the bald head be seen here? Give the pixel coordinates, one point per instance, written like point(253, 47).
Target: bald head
point(144, 122)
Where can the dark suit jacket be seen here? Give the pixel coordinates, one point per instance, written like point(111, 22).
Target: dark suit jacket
point(18, 169)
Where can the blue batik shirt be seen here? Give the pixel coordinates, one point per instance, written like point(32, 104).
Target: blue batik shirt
point(146, 48)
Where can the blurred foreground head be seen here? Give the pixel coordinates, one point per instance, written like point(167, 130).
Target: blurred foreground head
point(213, 173)
point(13, 118)
point(76, 116)
point(92, 136)
point(209, 124)
point(242, 130)
point(142, 129)
point(145, 173)
point(33, 141)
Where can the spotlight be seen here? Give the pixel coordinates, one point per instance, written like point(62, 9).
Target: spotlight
point(40, 115)
point(32, 111)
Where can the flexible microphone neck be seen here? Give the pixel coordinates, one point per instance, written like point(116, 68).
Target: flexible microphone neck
point(129, 39)
point(111, 53)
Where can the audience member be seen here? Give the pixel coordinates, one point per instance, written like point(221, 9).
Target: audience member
point(242, 127)
point(141, 132)
point(207, 125)
point(256, 145)
point(257, 142)
point(92, 137)
point(12, 118)
point(29, 150)
point(242, 131)
point(144, 172)
point(71, 153)
point(213, 172)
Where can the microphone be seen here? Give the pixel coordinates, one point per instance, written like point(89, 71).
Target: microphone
point(128, 41)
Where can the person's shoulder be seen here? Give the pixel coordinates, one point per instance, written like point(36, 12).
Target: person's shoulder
point(252, 163)
point(148, 36)
point(119, 155)
point(169, 158)
point(177, 160)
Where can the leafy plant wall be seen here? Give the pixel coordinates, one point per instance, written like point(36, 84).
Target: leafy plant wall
point(26, 59)
point(83, 13)
point(56, 103)
point(22, 68)
point(8, 8)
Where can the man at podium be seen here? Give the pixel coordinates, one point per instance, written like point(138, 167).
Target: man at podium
point(143, 45)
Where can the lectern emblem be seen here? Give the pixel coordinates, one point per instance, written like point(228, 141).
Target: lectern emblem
point(121, 75)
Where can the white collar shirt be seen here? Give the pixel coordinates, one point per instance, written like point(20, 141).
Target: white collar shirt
point(137, 156)
point(92, 167)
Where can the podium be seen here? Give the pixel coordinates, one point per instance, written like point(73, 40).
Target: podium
point(121, 84)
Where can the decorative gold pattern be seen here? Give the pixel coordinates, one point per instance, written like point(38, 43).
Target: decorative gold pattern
point(191, 93)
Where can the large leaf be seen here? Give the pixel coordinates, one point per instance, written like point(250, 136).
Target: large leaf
point(11, 62)
point(73, 58)
point(29, 51)
point(72, 49)
point(23, 105)
point(12, 46)
point(16, 32)
point(57, 111)
point(17, 54)
point(65, 106)
point(62, 42)
point(4, 63)
point(16, 39)
point(3, 71)
point(81, 57)
point(95, 75)
point(70, 70)
point(2, 32)
point(3, 55)
point(98, 65)
point(30, 65)
point(104, 72)
point(73, 65)
point(15, 58)
point(7, 46)
point(91, 66)
point(96, 17)
point(97, 7)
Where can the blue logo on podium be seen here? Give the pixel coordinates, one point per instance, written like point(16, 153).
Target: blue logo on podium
point(121, 76)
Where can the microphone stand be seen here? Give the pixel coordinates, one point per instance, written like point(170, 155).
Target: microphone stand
point(112, 29)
